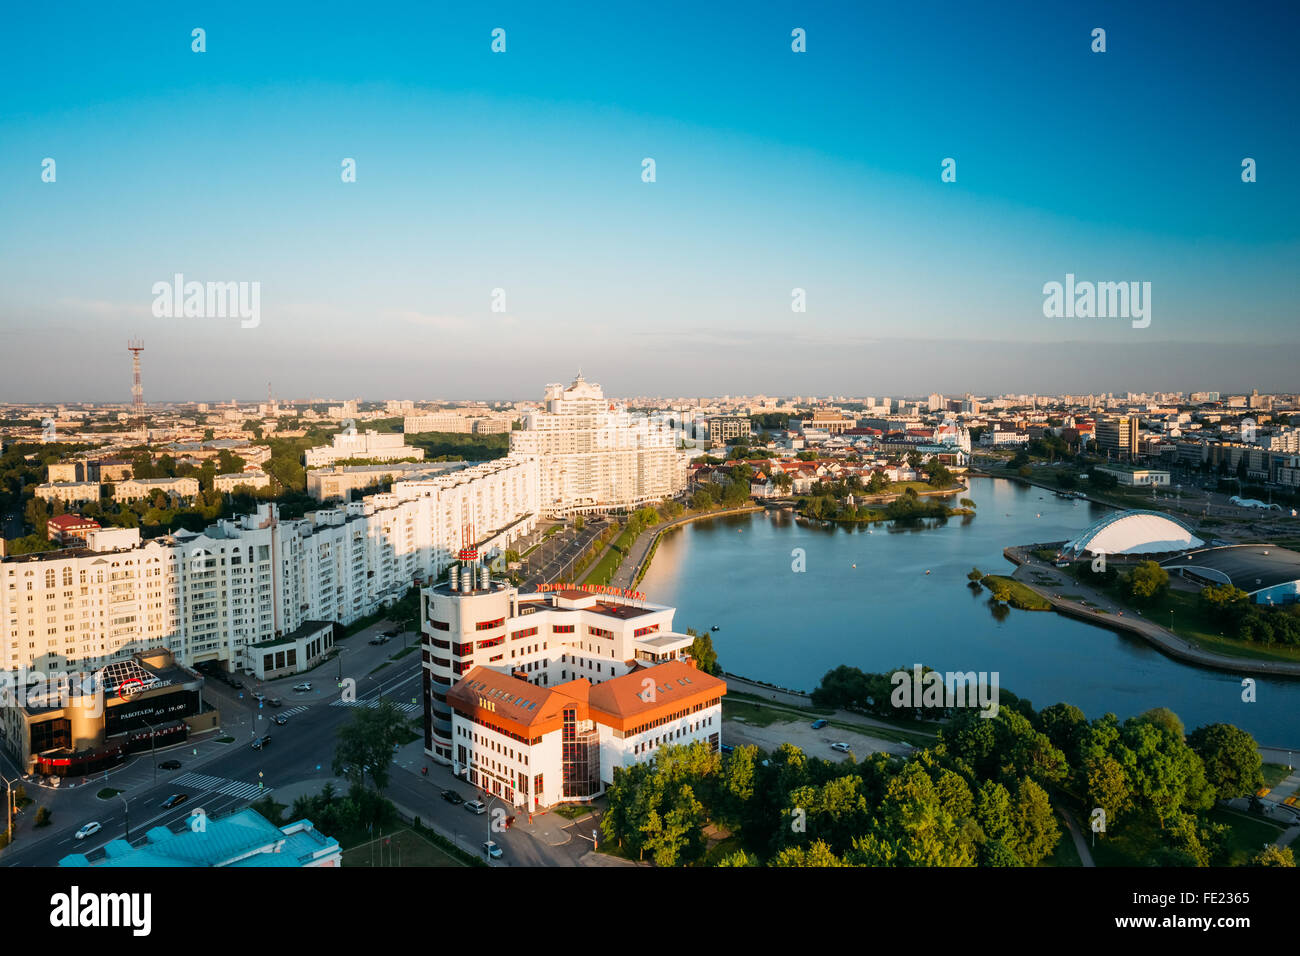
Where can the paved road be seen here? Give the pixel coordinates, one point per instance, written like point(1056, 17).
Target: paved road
point(221, 777)
point(552, 561)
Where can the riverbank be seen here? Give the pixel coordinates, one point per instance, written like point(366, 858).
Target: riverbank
point(1075, 599)
point(637, 560)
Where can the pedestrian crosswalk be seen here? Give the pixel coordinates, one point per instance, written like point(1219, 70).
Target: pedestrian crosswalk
point(409, 709)
point(222, 785)
point(291, 711)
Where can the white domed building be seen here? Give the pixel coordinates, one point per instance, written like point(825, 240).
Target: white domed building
point(1132, 533)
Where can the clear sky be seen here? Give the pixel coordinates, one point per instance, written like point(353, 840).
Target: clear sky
point(522, 171)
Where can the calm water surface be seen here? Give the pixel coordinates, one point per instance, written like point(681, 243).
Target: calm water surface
point(790, 628)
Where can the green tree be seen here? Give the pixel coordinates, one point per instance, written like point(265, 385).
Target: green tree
point(1274, 855)
point(1233, 766)
point(1146, 582)
point(365, 744)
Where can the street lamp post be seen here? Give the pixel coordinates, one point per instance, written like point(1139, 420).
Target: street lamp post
point(127, 811)
point(9, 808)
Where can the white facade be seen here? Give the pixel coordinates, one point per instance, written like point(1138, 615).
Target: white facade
point(545, 639)
point(210, 596)
point(594, 455)
point(369, 444)
point(252, 479)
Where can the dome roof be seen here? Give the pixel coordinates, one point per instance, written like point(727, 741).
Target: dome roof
point(1133, 532)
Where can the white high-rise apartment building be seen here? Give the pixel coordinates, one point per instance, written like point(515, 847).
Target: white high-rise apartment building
point(208, 596)
point(594, 455)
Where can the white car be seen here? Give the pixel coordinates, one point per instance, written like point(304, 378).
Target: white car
point(841, 747)
point(89, 830)
point(305, 685)
point(476, 806)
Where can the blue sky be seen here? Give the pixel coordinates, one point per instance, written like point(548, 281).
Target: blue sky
point(522, 171)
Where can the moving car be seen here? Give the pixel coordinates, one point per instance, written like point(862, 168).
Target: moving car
point(275, 702)
point(279, 720)
point(88, 830)
point(819, 724)
point(452, 797)
point(261, 742)
point(492, 849)
point(304, 686)
point(175, 800)
point(476, 806)
point(841, 747)
point(170, 765)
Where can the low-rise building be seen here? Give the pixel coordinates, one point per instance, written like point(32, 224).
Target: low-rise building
point(245, 479)
point(1135, 477)
point(299, 650)
point(69, 529)
point(69, 492)
point(137, 489)
point(245, 838)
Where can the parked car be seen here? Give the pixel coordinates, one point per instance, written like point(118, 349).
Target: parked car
point(492, 849)
point(279, 720)
point(727, 749)
point(175, 800)
point(170, 765)
point(378, 639)
point(819, 724)
point(841, 747)
point(88, 830)
point(261, 742)
point(476, 806)
point(304, 686)
point(236, 683)
point(452, 797)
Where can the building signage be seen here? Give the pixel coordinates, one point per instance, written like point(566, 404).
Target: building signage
point(595, 589)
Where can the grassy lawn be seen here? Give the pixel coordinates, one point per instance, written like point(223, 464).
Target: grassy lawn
point(1022, 596)
point(404, 651)
point(108, 793)
point(610, 561)
point(571, 811)
point(754, 698)
point(1275, 773)
point(1189, 623)
point(753, 714)
point(402, 848)
point(1136, 842)
point(380, 667)
point(225, 740)
point(1247, 836)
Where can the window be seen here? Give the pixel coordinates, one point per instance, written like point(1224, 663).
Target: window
point(561, 628)
point(488, 625)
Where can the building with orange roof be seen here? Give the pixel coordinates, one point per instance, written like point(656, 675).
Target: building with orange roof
point(534, 747)
point(552, 640)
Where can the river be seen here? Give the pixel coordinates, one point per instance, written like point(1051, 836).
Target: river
point(788, 628)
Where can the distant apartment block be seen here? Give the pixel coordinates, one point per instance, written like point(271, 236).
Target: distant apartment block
point(69, 492)
point(595, 456)
point(368, 445)
point(138, 489)
point(1117, 437)
point(249, 479)
point(338, 483)
point(458, 423)
point(727, 428)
